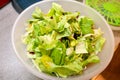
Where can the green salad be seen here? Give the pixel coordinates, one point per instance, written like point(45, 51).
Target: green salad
point(62, 43)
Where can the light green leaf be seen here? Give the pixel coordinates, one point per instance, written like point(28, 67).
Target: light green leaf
point(86, 25)
point(58, 54)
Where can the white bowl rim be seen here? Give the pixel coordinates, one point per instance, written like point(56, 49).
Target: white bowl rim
point(50, 77)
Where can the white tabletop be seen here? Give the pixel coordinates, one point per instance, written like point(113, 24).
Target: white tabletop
point(10, 67)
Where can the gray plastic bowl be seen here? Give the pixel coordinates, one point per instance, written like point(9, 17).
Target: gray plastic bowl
point(68, 5)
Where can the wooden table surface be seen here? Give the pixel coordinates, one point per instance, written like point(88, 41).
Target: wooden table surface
point(117, 37)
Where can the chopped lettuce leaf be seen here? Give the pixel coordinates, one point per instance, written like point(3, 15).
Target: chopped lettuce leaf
point(99, 44)
point(37, 14)
point(86, 25)
point(81, 48)
point(44, 63)
point(91, 59)
point(60, 26)
point(66, 33)
point(47, 42)
point(70, 69)
point(32, 45)
point(58, 8)
point(97, 32)
point(72, 17)
point(58, 54)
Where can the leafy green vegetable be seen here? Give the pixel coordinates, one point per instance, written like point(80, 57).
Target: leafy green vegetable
point(70, 69)
point(91, 59)
point(37, 14)
point(56, 9)
point(58, 54)
point(62, 43)
point(99, 44)
point(45, 63)
point(81, 48)
point(86, 25)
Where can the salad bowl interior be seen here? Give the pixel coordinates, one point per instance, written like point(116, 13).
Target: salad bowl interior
point(68, 5)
